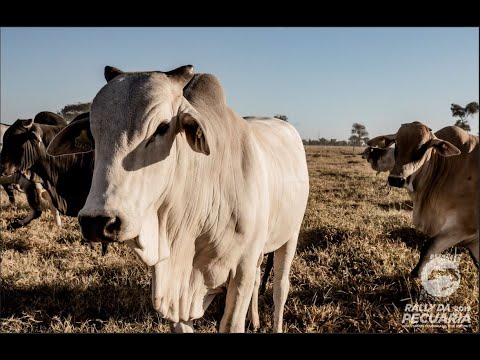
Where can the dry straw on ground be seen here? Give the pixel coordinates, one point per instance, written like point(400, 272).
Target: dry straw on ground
point(350, 274)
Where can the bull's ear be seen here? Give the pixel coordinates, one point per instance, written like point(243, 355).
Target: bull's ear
point(75, 138)
point(181, 75)
point(195, 133)
point(111, 72)
point(383, 141)
point(35, 133)
point(444, 148)
point(27, 124)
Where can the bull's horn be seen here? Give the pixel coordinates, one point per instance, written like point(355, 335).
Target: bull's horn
point(181, 75)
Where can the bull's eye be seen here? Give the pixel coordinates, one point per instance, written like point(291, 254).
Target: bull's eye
point(421, 151)
point(161, 130)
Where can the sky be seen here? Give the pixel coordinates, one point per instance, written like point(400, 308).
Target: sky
point(322, 79)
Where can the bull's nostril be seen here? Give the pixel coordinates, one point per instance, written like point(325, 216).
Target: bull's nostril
point(100, 228)
point(112, 227)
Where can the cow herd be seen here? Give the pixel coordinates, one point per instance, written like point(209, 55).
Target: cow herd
point(200, 194)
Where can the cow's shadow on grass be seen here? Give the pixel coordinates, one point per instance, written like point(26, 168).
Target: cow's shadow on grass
point(99, 301)
point(396, 205)
point(20, 245)
point(387, 294)
point(321, 238)
point(409, 236)
point(110, 296)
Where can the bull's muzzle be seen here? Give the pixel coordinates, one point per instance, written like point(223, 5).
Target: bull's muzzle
point(100, 228)
point(396, 181)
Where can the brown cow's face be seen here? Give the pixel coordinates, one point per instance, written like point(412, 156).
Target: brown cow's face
point(414, 145)
point(20, 146)
point(366, 153)
point(412, 148)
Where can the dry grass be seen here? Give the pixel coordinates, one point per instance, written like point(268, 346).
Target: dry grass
point(350, 274)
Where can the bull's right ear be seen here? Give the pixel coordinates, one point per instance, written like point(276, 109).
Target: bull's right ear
point(111, 72)
point(195, 132)
point(383, 141)
point(75, 138)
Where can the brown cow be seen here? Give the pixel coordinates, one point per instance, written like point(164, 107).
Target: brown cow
point(381, 160)
point(440, 172)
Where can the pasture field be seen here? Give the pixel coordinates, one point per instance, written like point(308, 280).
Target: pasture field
point(356, 249)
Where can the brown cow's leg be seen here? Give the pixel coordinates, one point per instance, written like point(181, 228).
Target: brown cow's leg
point(473, 248)
point(437, 245)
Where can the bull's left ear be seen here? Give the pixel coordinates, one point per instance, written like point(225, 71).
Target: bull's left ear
point(75, 138)
point(195, 133)
point(444, 148)
point(383, 141)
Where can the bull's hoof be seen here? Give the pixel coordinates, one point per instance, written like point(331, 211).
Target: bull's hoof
point(14, 225)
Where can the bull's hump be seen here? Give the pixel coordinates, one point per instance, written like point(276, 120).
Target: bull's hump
point(464, 141)
point(204, 89)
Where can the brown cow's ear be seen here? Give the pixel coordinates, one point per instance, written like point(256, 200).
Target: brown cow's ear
point(444, 148)
point(111, 72)
point(383, 141)
point(75, 138)
point(181, 75)
point(195, 133)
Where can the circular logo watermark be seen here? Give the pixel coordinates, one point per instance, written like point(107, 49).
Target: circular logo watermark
point(440, 277)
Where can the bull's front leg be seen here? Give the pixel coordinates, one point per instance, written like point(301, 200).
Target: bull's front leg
point(9, 190)
point(239, 293)
point(253, 316)
point(46, 196)
point(181, 327)
point(34, 200)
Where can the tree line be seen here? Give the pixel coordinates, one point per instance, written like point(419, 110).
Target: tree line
point(358, 133)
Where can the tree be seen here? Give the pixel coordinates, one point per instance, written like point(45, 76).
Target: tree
point(281, 117)
point(71, 110)
point(323, 141)
point(359, 135)
point(463, 113)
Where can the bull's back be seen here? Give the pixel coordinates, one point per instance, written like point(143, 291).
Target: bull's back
point(282, 155)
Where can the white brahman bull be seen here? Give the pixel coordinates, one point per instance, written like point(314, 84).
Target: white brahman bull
point(197, 192)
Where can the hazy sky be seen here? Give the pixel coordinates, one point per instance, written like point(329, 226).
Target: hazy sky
point(323, 79)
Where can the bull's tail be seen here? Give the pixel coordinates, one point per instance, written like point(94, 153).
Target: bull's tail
point(266, 273)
